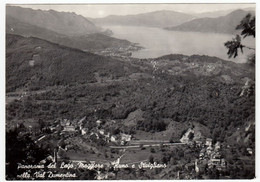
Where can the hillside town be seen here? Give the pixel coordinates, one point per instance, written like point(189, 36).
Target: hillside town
point(122, 52)
point(209, 157)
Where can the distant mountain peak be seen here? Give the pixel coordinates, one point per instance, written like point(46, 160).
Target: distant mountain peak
point(160, 18)
point(66, 23)
point(222, 24)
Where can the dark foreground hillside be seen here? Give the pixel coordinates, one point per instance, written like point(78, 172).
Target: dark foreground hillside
point(175, 99)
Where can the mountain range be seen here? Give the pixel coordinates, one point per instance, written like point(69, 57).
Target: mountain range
point(215, 14)
point(224, 24)
point(76, 31)
point(88, 37)
point(65, 23)
point(159, 19)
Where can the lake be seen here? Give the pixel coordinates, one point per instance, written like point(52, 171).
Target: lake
point(158, 42)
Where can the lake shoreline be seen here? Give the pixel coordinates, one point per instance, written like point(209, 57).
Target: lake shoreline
point(158, 42)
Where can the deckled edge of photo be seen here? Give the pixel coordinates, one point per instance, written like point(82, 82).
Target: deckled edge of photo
point(2, 67)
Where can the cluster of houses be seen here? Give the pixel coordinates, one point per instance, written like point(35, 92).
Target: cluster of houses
point(73, 126)
point(96, 133)
point(67, 126)
point(120, 52)
point(210, 155)
point(190, 136)
point(121, 139)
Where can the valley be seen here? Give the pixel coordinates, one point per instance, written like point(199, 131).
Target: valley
point(134, 103)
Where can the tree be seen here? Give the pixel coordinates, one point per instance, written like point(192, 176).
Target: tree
point(247, 25)
point(42, 124)
point(152, 150)
point(20, 148)
point(191, 136)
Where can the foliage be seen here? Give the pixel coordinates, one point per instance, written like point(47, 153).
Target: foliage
point(247, 25)
point(153, 125)
point(21, 149)
point(151, 159)
point(233, 46)
point(152, 150)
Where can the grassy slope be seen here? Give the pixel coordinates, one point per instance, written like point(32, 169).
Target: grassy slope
point(54, 64)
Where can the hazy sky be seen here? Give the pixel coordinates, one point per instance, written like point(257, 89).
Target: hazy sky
point(102, 10)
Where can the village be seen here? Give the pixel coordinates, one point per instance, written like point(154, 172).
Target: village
point(100, 138)
point(122, 52)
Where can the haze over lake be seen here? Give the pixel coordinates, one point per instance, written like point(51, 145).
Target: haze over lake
point(158, 42)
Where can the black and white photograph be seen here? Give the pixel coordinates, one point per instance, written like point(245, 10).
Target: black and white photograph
point(130, 91)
